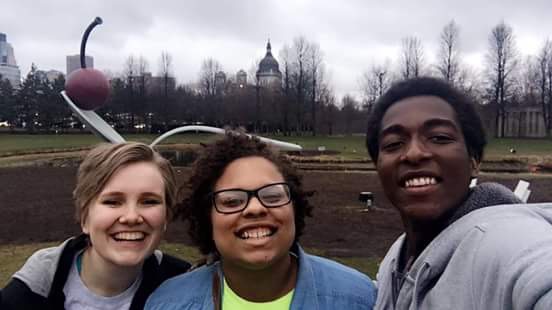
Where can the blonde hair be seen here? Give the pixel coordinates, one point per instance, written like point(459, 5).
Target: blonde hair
point(102, 162)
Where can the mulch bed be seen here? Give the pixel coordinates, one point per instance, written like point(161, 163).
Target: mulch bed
point(36, 206)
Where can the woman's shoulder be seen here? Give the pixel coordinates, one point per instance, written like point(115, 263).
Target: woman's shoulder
point(195, 283)
point(333, 285)
point(170, 266)
point(337, 273)
point(40, 268)
point(32, 284)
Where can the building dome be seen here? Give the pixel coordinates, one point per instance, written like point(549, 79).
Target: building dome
point(268, 73)
point(268, 64)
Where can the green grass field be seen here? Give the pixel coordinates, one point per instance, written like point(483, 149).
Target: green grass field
point(350, 147)
point(12, 258)
point(24, 144)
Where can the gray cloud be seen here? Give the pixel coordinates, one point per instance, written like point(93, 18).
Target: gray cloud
point(353, 34)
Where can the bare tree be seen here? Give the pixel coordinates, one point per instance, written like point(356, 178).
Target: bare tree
point(549, 115)
point(329, 110)
point(142, 66)
point(349, 110)
point(502, 57)
point(286, 62)
point(165, 68)
point(129, 73)
point(300, 51)
point(141, 100)
point(315, 62)
point(449, 63)
point(375, 82)
point(528, 80)
point(303, 79)
point(207, 76)
point(258, 95)
point(412, 57)
point(208, 90)
point(544, 62)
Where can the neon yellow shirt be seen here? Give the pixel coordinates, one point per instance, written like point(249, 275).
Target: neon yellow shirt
point(231, 301)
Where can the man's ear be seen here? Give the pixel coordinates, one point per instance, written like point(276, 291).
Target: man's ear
point(475, 167)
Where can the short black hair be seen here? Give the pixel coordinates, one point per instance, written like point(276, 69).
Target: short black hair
point(463, 105)
point(209, 167)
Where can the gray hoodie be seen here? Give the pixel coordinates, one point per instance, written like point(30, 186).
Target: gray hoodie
point(497, 257)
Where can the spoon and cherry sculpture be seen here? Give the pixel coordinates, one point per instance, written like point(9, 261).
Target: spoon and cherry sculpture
point(87, 89)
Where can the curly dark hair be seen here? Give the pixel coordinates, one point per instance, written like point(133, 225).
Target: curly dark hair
point(209, 167)
point(463, 105)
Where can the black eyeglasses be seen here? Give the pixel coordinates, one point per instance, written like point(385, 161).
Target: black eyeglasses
point(235, 200)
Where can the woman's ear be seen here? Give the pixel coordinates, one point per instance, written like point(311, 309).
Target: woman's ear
point(83, 225)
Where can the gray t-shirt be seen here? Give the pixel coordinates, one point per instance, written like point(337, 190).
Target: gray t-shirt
point(79, 297)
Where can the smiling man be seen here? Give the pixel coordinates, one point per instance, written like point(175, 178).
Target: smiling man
point(462, 248)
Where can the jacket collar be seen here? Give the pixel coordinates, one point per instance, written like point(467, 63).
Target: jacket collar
point(305, 287)
point(304, 290)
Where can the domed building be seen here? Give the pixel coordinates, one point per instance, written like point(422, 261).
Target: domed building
point(268, 73)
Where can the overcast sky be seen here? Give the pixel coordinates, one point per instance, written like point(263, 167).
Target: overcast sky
point(352, 34)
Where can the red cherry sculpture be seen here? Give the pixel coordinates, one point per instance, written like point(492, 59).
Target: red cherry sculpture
point(87, 87)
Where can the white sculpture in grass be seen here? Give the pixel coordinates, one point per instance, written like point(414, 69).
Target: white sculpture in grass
point(102, 129)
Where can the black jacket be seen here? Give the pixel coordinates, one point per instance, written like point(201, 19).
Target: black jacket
point(18, 295)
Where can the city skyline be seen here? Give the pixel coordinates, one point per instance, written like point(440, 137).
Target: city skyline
point(352, 35)
point(8, 64)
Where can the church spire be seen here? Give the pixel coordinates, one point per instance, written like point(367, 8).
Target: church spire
point(268, 48)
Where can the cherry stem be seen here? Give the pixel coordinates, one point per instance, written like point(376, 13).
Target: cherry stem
point(97, 21)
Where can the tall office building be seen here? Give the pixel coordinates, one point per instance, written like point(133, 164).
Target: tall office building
point(73, 63)
point(241, 78)
point(8, 66)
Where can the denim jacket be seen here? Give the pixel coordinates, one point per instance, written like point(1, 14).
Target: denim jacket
point(321, 284)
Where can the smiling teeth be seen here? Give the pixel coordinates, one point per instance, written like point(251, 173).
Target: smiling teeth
point(420, 181)
point(255, 233)
point(129, 236)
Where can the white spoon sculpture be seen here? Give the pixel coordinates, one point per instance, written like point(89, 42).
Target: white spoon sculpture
point(104, 131)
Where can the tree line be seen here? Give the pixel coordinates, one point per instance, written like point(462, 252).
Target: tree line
point(508, 79)
point(303, 103)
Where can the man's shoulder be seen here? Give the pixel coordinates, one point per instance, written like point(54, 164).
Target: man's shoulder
point(515, 227)
point(510, 212)
point(520, 219)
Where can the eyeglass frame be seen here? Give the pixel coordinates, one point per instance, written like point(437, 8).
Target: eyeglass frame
point(250, 194)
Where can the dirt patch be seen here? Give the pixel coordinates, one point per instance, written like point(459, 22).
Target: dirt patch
point(36, 206)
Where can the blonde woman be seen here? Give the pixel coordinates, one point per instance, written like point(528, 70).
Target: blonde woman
point(124, 196)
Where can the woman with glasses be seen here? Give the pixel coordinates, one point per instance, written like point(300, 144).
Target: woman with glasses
point(246, 211)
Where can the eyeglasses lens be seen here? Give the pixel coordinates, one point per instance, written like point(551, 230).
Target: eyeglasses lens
point(235, 200)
